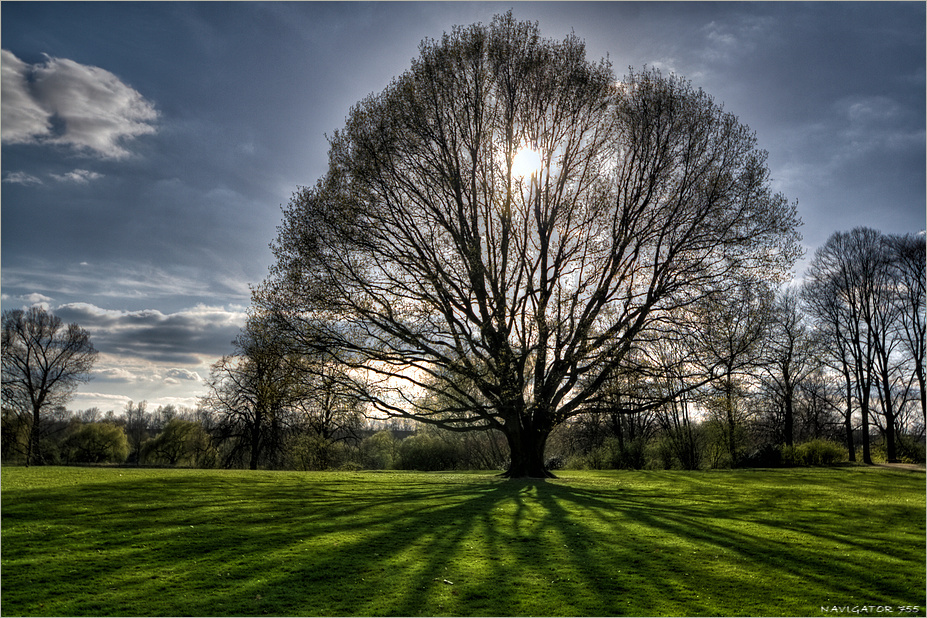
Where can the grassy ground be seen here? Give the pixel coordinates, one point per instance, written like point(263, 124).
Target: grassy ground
point(83, 541)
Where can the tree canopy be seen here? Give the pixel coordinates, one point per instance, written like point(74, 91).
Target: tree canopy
point(473, 294)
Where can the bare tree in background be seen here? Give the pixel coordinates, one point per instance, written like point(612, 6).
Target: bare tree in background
point(250, 392)
point(732, 334)
point(137, 428)
point(850, 290)
point(790, 355)
point(44, 361)
point(428, 257)
point(910, 269)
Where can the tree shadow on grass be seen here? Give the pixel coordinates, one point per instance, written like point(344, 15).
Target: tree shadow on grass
point(286, 544)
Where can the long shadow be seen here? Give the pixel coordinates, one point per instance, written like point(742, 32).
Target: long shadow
point(345, 545)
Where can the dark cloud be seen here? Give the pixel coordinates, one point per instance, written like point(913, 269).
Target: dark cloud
point(181, 338)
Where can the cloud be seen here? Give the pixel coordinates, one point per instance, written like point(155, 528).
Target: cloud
point(21, 178)
point(185, 337)
point(143, 284)
point(730, 40)
point(36, 299)
point(22, 117)
point(103, 396)
point(115, 374)
point(72, 104)
point(78, 176)
point(183, 374)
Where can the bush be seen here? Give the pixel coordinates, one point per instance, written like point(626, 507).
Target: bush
point(908, 449)
point(769, 456)
point(911, 449)
point(427, 452)
point(554, 463)
point(813, 453)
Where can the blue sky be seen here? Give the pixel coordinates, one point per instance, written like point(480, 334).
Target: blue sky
point(147, 147)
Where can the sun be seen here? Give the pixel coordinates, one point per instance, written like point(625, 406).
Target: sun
point(526, 162)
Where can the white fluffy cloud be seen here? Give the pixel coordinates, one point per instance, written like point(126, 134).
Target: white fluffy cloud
point(78, 176)
point(68, 103)
point(182, 374)
point(23, 117)
point(36, 299)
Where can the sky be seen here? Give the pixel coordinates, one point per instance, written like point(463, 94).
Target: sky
point(147, 148)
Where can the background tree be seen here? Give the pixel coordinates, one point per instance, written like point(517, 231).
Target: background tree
point(43, 362)
point(137, 428)
point(790, 356)
point(250, 391)
point(323, 407)
point(831, 317)
point(426, 253)
point(100, 442)
point(678, 382)
point(181, 441)
point(910, 273)
point(843, 284)
point(732, 331)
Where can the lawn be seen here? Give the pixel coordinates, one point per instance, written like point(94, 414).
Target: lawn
point(118, 541)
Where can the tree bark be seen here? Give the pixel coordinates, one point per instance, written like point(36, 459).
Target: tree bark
point(255, 443)
point(889, 412)
point(526, 446)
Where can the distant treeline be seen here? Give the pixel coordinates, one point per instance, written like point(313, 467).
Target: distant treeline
point(185, 437)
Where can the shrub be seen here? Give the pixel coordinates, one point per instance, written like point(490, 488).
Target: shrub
point(770, 456)
point(822, 453)
point(813, 453)
point(554, 463)
point(576, 461)
point(908, 449)
point(426, 452)
point(911, 449)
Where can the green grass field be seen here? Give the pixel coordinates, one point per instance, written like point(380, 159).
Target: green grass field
point(95, 541)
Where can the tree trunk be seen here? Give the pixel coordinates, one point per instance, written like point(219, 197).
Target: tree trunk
point(922, 383)
point(32, 451)
point(526, 446)
point(864, 410)
point(789, 419)
point(731, 423)
point(889, 412)
point(848, 417)
point(255, 444)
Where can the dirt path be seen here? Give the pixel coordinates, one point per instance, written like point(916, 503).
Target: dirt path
point(901, 466)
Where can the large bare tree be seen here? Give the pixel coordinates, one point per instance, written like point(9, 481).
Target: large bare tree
point(429, 259)
point(44, 361)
